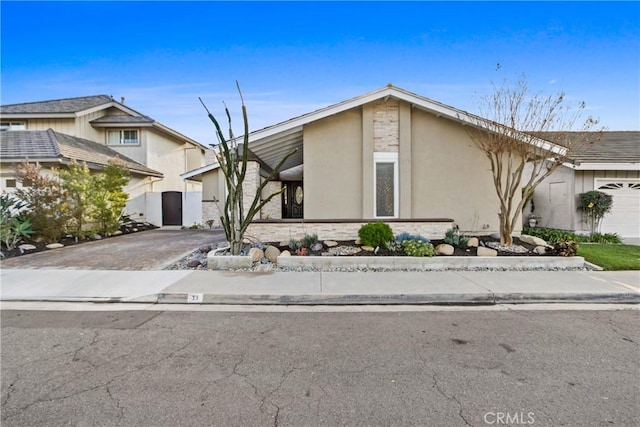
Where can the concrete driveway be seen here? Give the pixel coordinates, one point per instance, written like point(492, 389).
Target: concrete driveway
point(147, 250)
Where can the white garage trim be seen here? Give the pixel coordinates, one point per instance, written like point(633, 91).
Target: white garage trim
point(624, 218)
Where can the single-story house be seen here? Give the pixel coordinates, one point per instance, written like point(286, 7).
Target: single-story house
point(612, 166)
point(389, 155)
point(161, 197)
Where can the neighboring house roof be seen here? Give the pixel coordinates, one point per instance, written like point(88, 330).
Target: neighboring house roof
point(75, 107)
point(196, 174)
point(56, 106)
point(274, 142)
point(51, 146)
point(616, 150)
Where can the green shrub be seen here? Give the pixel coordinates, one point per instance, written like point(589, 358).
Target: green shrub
point(309, 240)
point(108, 198)
point(13, 226)
point(45, 202)
point(552, 235)
point(77, 182)
point(595, 205)
point(418, 248)
point(455, 238)
point(607, 238)
point(408, 236)
point(375, 234)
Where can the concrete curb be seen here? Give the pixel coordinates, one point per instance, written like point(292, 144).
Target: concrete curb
point(399, 299)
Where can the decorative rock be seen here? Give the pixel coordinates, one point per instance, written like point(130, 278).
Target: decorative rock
point(285, 253)
point(482, 251)
point(193, 263)
point(368, 248)
point(272, 253)
point(27, 247)
point(444, 249)
point(55, 245)
point(495, 236)
point(204, 248)
point(358, 241)
point(117, 233)
point(256, 254)
point(540, 250)
point(532, 240)
point(330, 243)
point(265, 261)
point(284, 244)
point(316, 247)
point(343, 250)
point(473, 242)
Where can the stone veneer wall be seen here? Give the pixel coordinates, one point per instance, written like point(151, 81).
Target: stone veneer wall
point(283, 231)
point(386, 126)
point(273, 209)
point(210, 210)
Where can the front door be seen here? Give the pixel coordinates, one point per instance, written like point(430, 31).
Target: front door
point(293, 200)
point(172, 208)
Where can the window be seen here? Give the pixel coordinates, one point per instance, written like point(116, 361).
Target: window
point(11, 183)
point(12, 126)
point(122, 137)
point(386, 185)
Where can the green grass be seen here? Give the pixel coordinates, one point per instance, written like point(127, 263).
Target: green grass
point(611, 257)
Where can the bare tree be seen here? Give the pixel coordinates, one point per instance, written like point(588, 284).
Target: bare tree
point(233, 165)
point(517, 127)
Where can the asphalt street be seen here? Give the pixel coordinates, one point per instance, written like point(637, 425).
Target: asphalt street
point(444, 368)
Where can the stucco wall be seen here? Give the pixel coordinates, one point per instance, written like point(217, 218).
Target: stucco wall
point(333, 167)
point(450, 177)
point(561, 212)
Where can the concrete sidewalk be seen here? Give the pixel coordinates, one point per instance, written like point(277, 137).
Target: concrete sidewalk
point(321, 288)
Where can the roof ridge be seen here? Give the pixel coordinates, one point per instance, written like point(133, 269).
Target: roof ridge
point(58, 100)
point(53, 137)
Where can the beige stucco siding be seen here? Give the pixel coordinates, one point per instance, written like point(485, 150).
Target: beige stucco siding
point(450, 176)
point(333, 167)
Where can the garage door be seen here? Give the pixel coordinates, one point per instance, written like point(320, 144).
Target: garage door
point(624, 218)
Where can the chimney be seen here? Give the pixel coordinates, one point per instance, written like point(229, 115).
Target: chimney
point(122, 100)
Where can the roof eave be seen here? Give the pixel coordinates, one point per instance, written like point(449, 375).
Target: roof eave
point(597, 166)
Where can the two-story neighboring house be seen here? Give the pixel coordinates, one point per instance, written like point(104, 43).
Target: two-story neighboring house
point(157, 192)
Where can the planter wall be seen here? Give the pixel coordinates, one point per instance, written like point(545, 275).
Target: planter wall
point(435, 263)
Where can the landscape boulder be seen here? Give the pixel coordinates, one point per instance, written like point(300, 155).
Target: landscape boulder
point(482, 251)
point(55, 245)
point(444, 249)
point(473, 242)
point(256, 254)
point(532, 240)
point(272, 253)
point(330, 243)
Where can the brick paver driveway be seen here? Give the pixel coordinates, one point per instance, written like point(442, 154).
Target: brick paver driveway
point(147, 250)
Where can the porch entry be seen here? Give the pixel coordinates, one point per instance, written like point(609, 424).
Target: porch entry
point(293, 200)
point(172, 208)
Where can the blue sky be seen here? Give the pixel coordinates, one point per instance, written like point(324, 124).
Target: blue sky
point(292, 58)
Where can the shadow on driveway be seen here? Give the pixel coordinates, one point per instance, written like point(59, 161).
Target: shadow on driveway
point(147, 250)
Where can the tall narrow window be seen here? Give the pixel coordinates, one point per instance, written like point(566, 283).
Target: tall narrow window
point(386, 185)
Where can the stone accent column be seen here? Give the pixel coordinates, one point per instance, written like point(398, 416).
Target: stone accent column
point(386, 126)
point(210, 210)
point(273, 209)
point(250, 185)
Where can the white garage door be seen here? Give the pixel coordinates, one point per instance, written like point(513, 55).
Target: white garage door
point(624, 218)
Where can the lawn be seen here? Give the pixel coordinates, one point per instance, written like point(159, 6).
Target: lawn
point(611, 257)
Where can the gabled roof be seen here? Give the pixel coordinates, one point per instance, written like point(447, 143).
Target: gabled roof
point(75, 107)
point(50, 146)
point(57, 106)
point(274, 142)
